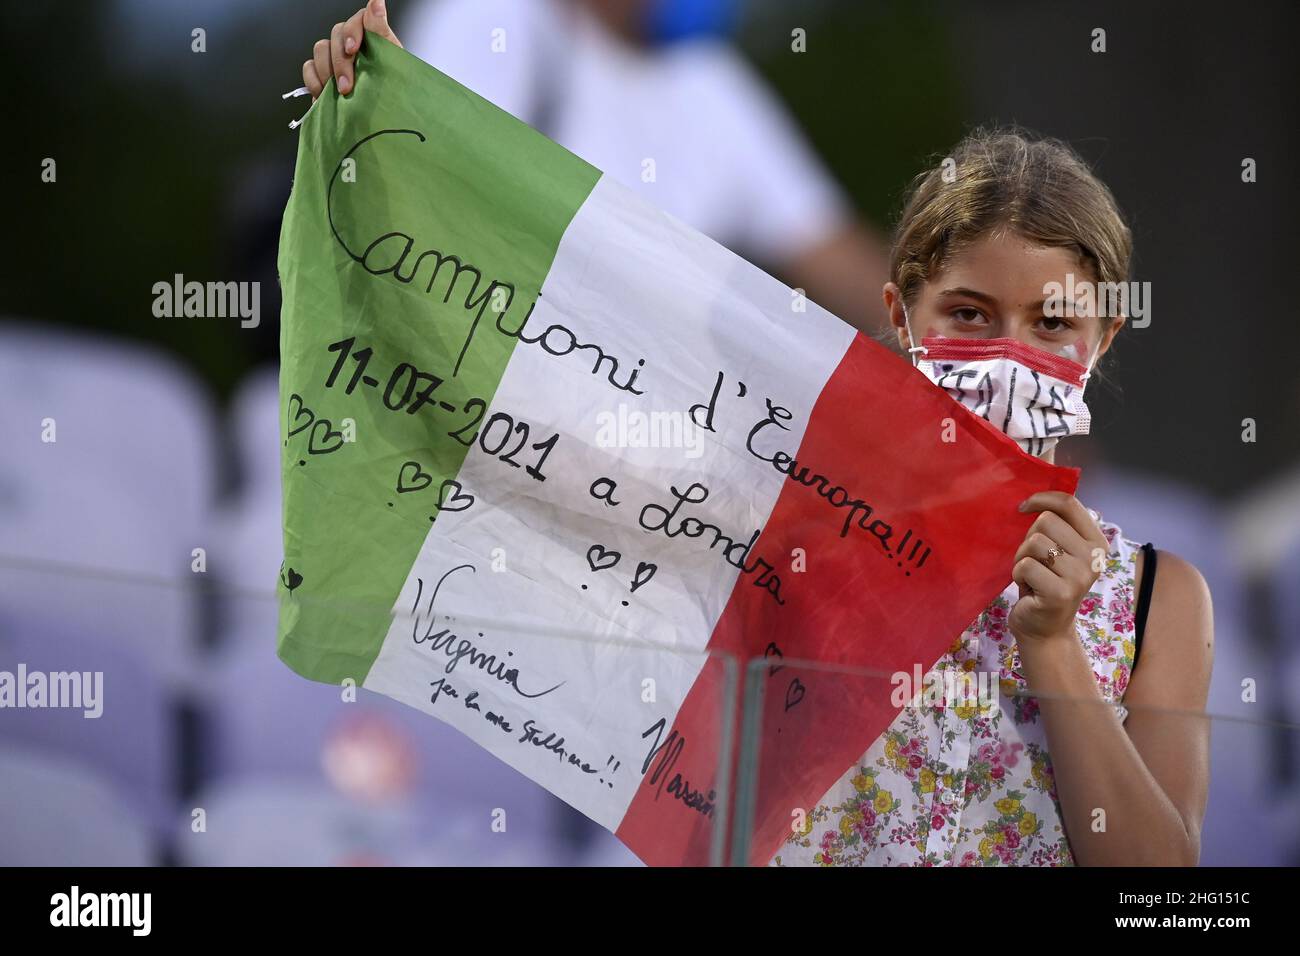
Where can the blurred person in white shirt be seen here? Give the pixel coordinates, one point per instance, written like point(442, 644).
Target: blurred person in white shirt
point(649, 92)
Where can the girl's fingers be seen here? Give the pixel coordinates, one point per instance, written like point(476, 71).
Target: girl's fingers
point(340, 62)
point(349, 39)
point(1031, 575)
point(375, 19)
point(320, 55)
point(1037, 546)
point(336, 56)
point(1067, 507)
point(311, 80)
point(1065, 537)
point(354, 32)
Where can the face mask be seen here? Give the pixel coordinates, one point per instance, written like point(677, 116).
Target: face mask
point(1032, 396)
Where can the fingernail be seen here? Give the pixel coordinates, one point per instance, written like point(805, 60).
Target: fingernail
point(1021, 506)
point(344, 84)
point(350, 45)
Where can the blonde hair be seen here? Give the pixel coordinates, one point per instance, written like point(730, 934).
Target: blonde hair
point(1006, 179)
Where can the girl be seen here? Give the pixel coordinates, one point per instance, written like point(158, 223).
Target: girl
point(989, 246)
point(993, 260)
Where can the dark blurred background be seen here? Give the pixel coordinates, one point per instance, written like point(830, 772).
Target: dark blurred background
point(172, 161)
point(175, 161)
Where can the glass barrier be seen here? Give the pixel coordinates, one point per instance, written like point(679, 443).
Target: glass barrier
point(146, 720)
point(953, 766)
point(149, 720)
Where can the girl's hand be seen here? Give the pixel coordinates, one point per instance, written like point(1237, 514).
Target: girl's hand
point(1056, 565)
point(335, 56)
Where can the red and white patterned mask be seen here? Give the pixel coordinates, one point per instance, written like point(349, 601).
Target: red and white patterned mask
point(1033, 396)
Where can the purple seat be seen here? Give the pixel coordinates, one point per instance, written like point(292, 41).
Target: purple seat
point(131, 745)
point(279, 822)
point(97, 526)
point(270, 726)
point(56, 813)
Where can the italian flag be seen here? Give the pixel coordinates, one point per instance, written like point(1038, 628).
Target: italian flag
point(568, 475)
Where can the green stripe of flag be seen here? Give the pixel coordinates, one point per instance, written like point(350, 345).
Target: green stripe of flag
point(417, 208)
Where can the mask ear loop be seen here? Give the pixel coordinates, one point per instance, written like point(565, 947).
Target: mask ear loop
point(914, 348)
point(1092, 363)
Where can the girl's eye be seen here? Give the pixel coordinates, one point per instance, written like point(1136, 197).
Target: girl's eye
point(967, 315)
point(1053, 324)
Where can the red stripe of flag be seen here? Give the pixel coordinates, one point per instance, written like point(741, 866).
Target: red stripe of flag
point(877, 430)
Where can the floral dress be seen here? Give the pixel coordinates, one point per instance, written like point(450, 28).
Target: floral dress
point(964, 784)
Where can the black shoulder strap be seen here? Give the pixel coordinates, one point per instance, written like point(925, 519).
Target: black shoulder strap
point(1144, 598)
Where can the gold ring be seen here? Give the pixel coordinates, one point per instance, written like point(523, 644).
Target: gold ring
point(1052, 554)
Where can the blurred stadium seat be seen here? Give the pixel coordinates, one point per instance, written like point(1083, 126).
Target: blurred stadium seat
point(270, 727)
point(132, 745)
point(118, 499)
point(59, 814)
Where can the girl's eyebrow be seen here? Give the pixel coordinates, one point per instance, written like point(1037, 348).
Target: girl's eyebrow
point(970, 293)
point(991, 300)
point(1078, 306)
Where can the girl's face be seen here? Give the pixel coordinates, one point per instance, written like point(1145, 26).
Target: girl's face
point(994, 288)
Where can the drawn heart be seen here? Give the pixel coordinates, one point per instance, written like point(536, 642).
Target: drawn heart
point(294, 416)
point(794, 693)
point(291, 580)
point(419, 480)
point(322, 445)
point(452, 498)
point(644, 572)
point(773, 651)
point(600, 559)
